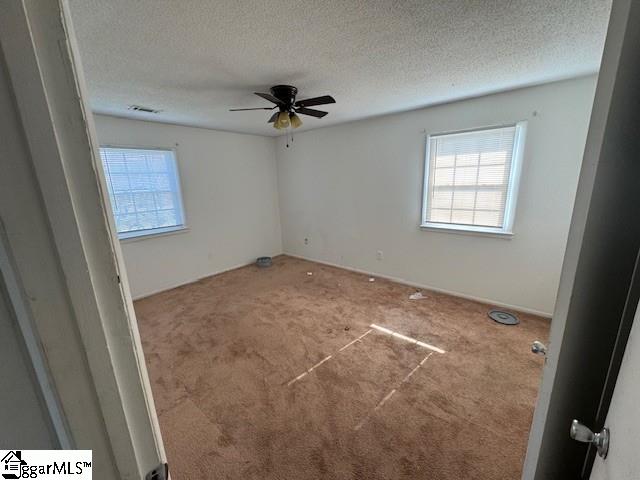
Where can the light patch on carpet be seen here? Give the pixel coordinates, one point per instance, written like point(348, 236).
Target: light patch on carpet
point(416, 368)
point(356, 340)
point(405, 338)
point(375, 409)
point(391, 393)
point(320, 363)
point(302, 375)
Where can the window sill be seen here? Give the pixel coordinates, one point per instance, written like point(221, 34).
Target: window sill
point(478, 231)
point(149, 234)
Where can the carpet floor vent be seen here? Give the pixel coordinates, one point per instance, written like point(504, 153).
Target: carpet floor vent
point(505, 318)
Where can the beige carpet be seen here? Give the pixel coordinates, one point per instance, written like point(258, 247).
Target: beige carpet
point(224, 354)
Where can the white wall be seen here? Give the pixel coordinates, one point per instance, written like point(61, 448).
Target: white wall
point(356, 188)
point(229, 188)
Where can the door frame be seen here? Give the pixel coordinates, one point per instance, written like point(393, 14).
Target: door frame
point(75, 243)
point(9, 281)
point(68, 262)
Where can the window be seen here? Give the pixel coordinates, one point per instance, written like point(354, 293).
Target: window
point(471, 179)
point(144, 190)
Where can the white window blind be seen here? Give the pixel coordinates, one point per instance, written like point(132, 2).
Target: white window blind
point(144, 190)
point(470, 179)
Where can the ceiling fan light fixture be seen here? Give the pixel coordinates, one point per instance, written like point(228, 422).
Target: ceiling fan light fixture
point(294, 120)
point(282, 121)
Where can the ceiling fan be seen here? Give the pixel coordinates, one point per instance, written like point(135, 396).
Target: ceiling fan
point(284, 97)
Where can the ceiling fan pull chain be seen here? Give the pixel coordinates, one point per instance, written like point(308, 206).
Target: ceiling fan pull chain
point(289, 132)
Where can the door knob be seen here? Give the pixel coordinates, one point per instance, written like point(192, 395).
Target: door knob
point(583, 434)
point(539, 348)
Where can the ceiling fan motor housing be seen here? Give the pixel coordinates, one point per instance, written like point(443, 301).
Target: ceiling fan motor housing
point(286, 93)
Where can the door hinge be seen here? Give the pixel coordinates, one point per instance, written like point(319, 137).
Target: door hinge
point(161, 472)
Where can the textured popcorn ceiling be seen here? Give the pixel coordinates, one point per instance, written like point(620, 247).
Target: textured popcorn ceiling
point(195, 59)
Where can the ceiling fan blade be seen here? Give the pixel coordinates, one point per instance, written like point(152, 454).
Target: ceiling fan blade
point(312, 112)
point(271, 98)
point(310, 102)
point(273, 117)
point(245, 109)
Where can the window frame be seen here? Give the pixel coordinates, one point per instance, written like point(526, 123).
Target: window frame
point(512, 188)
point(150, 232)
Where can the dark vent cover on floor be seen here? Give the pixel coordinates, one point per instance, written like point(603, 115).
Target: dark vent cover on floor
point(504, 318)
point(264, 262)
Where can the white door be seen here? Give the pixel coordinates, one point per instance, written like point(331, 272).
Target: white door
point(623, 419)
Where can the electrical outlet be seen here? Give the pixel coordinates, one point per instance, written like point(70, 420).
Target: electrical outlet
point(306, 241)
point(379, 255)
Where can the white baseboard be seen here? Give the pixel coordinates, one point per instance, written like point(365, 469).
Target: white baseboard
point(399, 280)
point(409, 283)
point(218, 272)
